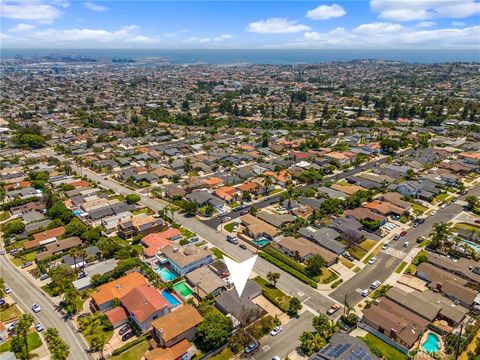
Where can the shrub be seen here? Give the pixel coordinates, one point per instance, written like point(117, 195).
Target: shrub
point(129, 345)
point(336, 283)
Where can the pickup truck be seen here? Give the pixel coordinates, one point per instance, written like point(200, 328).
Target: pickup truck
point(232, 239)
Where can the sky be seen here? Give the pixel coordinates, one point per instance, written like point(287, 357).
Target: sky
point(195, 24)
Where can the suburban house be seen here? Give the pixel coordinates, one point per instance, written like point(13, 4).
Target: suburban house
point(103, 297)
point(176, 326)
point(183, 350)
point(186, 258)
point(361, 213)
point(229, 303)
point(144, 304)
point(302, 249)
point(58, 247)
point(140, 225)
point(155, 242)
point(344, 347)
point(204, 282)
point(255, 228)
point(325, 237)
point(44, 237)
point(385, 208)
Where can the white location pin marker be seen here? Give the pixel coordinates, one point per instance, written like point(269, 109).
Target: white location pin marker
point(240, 272)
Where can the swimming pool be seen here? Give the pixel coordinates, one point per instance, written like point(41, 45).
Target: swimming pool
point(165, 273)
point(474, 246)
point(262, 242)
point(183, 290)
point(432, 343)
point(170, 298)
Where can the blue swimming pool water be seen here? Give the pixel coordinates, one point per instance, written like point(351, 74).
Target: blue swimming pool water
point(165, 274)
point(170, 298)
point(474, 246)
point(262, 242)
point(77, 212)
point(432, 344)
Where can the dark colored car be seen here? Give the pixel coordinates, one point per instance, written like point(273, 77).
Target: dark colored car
point(124, 329)
point(251, 347)
point(243, 246)
point(127, 336)
point(477, 221)
point(244, 212)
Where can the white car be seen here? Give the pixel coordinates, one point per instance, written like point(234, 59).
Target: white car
point(375, 285)
point(8, 290)
point(277, 330)
point(433, 212)
point(11, 327)
point(405, 244)
point(372, 260)
point(276, 358)
point(385, 247)
point(365, 292)
point(36, 308)
point(38, 327)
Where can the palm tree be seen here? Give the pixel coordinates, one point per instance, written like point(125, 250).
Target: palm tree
point(268, 181)
point(439, 235)
point(74, 254)
point(172, 213)
point(289, 196)
point(21, 330)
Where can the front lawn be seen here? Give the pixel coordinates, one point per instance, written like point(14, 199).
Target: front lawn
point(28, 257)
point(367, 244)
point(276, 296)
point(346, 263)
point(187, 234)
point(382, 349)
point(4, 216)
point(33, 340)
point(400, 267)
point(138, 248)
point(134, 353)
point(234, 204)
point(357, 252)
point(229, 227)
point(373, 253)
point(440, 198)
point(418, 209)
point(219, 254)
point(10, 314)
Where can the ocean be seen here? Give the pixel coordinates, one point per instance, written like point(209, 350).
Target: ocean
point(257, 56)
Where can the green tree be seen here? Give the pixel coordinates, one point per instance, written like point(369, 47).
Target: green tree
point(13, 227)
point(311, 343)
point(213, 331)
point(315, 263)
point(323, 325)
point(132, 198)
point(472, 202)
point(439, 235)
point(273, 277)
point(75, 227)
point(58, 348)
point(21, 331)
point(60, 211)
point(294, 306)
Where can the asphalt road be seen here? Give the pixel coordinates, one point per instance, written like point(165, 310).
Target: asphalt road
point(215, 222)
point(385, 263)
point(26, 294)
point(282, 344)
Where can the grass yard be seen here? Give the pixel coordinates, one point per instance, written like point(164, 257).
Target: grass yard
point(4, 215)
point(424, 243)
point(356, 252)
point(327, 276)
point(367, 244)
point(134, 353)
point(346, 263)
point(187, 234)
point(419, 209)
point(146, 211)
point(219, 254)
point(276, 191)
point(229, 227)
point(373, 253)
point(224, 355)
point(400, 267)
point(34, 342)
point(19, 261)
point(468, 227)
point(234, 204)
point(382, 349)
point(356, 270)
point(139, 248)
point(117, 197)
point(440, 198)
point(10, 314)
point(276, 296)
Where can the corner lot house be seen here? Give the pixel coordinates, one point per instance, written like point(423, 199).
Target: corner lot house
point(187, 258)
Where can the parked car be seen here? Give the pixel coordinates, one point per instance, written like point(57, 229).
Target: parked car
point(375, 285)
point(333, 309)
point(2, 252)
point(433, 212)
point(396, 237)
point(44, 277)
point(2, 302)
point(464, 192)
point(405, 244)
point(421, 239)
point(8, 290)
point(225, 219)
point(252, 347)
point(242, 246)
point(372, 260)
point(348, 256)
point(124, 329)
point(36, 308)
point(403, 233)
point(276, 358)
point(244, 212)
point(232, 239)
point(477, 221)
point(365, 292)
point(12, 326)
point(127, 336)
point(14, 252)
point(39, 327)
point(277, 330)
point(385, 247)
point(27, 264)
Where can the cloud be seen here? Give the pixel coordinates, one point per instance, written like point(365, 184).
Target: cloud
point(390, 35)
point(325, 12)
point(207, 40)
point(276, 26)
point(39, 11)
point(458, 23)
point(403, 10)
point(426, 24)
point(22, 27)
point(95, 7)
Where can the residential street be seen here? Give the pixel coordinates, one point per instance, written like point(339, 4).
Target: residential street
point(386, 264)
point(282, 344)
point(25, 294)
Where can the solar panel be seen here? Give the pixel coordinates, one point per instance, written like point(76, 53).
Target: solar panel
point(326, 348)
point(334, 351)
point(342, 350)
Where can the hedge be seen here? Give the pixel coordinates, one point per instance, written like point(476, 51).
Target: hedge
point(288, 269)
point(336, 283)
point(129, 345)
point(290, 262)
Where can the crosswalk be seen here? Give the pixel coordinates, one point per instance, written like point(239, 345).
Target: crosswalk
point(400, 254)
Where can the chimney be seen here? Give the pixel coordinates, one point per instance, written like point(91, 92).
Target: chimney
point(393, 334)
point(439, 287)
